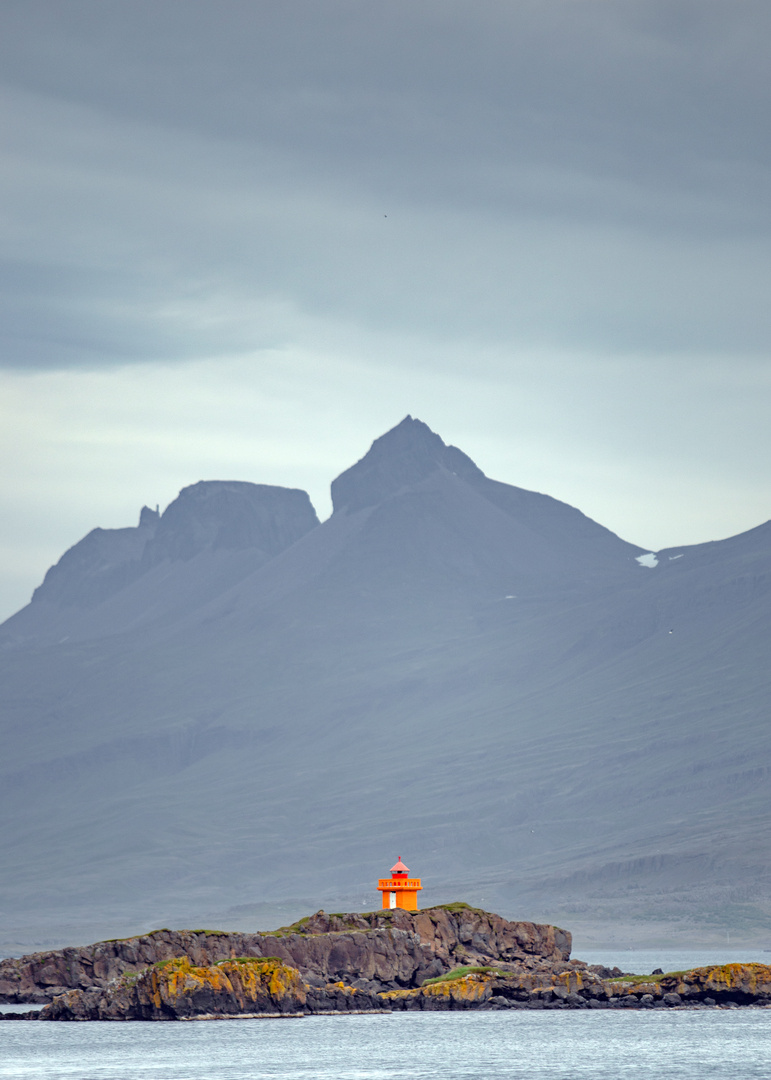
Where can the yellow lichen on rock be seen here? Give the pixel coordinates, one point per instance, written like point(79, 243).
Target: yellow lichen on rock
point(751, 979)
point(752, 976)
point(178, 987)
point(155, 989)
point(748, 981)
point(571, 980)
point(467, 990)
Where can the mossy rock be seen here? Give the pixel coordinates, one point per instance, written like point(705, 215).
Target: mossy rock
point(456, 908)
point(458, 973)
point(293, 928)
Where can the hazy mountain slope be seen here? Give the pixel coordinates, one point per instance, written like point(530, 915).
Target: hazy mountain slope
point(210, 537)
point(448, 666)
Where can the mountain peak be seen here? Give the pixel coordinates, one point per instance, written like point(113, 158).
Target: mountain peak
point(404, 456)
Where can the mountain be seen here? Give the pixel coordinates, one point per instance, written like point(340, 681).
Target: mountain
point(233, 711)
point(213, 535)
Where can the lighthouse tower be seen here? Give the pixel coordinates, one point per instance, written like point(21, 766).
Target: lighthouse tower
point(400, 890)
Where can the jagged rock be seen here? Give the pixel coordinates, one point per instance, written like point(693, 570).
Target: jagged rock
point(606, 972)
point(267, 985)
point(723, 984)
point(558, 986)
point(211, 515)
point(548, 985)
point(217, 514)
point(177, 989)
point(148, 517)
point(387, 949)
point(339, 997)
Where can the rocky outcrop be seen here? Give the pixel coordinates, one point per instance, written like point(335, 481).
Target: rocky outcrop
point(212, 515)
point(576, 986)
point(178, 990)
point(240, 988)
point(377, 951)
point(446, 958)
point(724, 984)
point(229, 514)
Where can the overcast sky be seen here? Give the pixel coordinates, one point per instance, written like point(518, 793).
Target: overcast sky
point(240, 240)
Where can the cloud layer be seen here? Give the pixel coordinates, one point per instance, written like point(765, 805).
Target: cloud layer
point(542, 227)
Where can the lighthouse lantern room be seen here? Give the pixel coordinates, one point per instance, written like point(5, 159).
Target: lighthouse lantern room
point(400, 890)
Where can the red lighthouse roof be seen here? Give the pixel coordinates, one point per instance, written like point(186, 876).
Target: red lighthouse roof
point(400, 868)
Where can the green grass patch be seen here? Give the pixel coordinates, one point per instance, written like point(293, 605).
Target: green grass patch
point(293, 928)
point(300, 927)
point(458, 973)
point(456, 907)
point(648, 978)
point(134, 937)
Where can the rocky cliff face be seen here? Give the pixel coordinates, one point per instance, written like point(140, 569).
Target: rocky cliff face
point(212, 515)
point(178, 989)
point(375, 951)
point(230, 515)
point(246, 986)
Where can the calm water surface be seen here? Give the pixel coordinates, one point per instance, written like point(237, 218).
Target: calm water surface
point(533, 1046)
point(644, 961)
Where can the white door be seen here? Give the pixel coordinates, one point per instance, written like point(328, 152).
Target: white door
point(392, 900)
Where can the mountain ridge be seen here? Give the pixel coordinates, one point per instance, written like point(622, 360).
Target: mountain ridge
point(457, 667)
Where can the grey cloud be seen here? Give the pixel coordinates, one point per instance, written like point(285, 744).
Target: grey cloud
point(570, 80)
point(585, 174)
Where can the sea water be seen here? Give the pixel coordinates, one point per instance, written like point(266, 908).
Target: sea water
point(644, 961)
point(569, 1045)
point(602, 1045)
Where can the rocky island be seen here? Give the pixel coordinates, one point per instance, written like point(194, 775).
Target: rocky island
point(447, 957)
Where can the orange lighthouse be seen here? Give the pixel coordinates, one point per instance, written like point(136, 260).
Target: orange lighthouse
point(400, 890)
